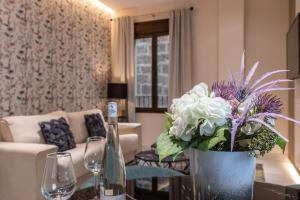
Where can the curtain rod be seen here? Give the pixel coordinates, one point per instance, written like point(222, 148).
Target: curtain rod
point(153, 14)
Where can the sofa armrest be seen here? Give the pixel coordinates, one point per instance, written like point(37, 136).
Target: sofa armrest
point(126, 128)
point(21, 169)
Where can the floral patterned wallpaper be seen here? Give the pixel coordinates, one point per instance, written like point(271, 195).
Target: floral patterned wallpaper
point(54, 55)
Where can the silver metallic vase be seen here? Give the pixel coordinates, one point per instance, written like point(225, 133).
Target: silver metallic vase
point(222, 175)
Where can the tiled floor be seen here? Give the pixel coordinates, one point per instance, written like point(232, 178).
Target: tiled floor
point(278, 169)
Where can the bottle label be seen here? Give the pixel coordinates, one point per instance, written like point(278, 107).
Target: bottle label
point(109, 192)
point(112, 109)
point(118, 197)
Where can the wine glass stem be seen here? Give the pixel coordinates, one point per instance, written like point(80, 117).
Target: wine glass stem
point(96, 184)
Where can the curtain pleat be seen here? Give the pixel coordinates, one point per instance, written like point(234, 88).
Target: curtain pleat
point(123, 58)
point(180, 69)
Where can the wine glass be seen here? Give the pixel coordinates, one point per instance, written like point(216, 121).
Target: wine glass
point(59, 180)
point(93, 157)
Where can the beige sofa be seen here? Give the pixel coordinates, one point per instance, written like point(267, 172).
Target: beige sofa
point(23, 151)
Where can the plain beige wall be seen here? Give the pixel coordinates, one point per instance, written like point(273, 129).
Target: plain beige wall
point(218, 43)
point(266, 25)
point(297, 111)
point(231, 37)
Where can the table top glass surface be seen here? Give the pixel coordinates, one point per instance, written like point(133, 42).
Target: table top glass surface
point(153, 183)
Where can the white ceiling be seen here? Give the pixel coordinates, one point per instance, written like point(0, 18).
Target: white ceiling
point(125, 4)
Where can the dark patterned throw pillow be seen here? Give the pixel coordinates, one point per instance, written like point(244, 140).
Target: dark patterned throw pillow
point(57, 132)
point(95, 125)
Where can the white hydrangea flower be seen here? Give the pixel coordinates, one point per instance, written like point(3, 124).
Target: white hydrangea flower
point(198, 107)
point(215, 112)
point(200, 90)
point(207, 128)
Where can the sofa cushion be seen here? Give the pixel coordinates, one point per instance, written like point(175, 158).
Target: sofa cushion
point(57, 132)
point(77, 124)
point(26, 129)
point(95, 125)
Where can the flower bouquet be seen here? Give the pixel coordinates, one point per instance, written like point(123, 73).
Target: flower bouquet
point(234, 119)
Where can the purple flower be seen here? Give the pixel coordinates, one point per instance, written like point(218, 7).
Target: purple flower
point(268, 103)
point(256, 93)
point(225, 90)
point(231, 91)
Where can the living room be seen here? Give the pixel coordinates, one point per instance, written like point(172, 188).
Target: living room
point(173, 82)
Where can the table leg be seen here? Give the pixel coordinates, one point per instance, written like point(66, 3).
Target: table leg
point(154, 184)
point(130, 187)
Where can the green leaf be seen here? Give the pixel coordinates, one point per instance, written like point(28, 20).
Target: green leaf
point(209, 143)
point(281, 143)
point(167, 145)
point(169, 123)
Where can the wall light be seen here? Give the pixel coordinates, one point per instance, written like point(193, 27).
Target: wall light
point(102, 6)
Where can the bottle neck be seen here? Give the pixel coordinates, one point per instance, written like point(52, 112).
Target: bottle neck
point(113, 136)
point(112, 120)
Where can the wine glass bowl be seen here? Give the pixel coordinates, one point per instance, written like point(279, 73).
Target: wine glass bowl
point(93, 158)
point(59, 180)
point(93, 154)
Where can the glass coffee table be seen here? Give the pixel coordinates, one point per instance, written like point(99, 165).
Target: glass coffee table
point(173, 185)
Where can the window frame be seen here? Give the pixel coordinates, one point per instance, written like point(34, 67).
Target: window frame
point(152, 29)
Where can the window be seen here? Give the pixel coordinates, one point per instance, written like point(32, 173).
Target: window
point(152, 63)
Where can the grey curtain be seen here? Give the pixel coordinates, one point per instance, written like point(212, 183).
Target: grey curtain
point(180, 71)
point(123, 68)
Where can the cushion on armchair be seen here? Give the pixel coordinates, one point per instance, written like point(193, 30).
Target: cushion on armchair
point(57, 132)
point(95, 125)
